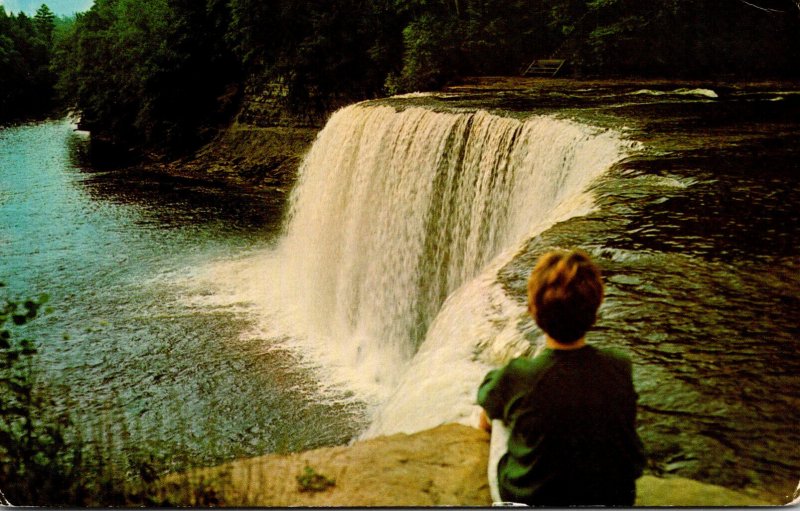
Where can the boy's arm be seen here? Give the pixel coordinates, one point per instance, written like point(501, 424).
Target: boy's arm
point(502, 388)
point(491, 394)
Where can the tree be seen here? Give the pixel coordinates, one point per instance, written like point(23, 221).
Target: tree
point(147, 73)
point(158, 73)
point(26, 83)
point(323, 52)
point(687, 38)
point(432, 52)
point(45, 24)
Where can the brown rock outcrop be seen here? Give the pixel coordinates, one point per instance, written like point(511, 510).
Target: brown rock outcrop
point(443, 466)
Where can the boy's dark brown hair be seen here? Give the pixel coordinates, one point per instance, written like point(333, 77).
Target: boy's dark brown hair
point(565, 290)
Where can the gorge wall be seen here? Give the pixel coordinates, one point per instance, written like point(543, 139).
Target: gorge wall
point(261, 148)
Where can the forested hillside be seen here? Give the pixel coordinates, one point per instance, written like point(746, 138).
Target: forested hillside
point(26, 80)
point(156, 73)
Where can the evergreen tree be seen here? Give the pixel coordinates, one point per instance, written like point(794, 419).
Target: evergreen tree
point(45, 24)
point(146, 73)
point(26, 82)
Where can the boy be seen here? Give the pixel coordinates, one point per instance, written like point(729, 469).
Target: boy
point(571, 410)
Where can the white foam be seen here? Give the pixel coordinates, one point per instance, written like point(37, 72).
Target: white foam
point(708, 93)
point(413, 95)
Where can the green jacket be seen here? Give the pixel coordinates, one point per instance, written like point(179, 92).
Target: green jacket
point(572, 417)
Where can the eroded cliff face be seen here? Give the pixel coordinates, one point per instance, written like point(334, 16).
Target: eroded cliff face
point(443, 466)
point(261, 149)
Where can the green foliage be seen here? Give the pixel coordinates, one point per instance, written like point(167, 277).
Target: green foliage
point(146, 72)
point(26, 81)
point(432, 53)
point(444, 40)
point(45, 23)
point(687, 38)
point(323, 52)
point(160, 73)
point(311, 480)
point(43, 460)
point(36, 466)
point(502, 34)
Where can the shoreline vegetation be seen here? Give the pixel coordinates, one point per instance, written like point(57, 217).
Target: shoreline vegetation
point(159, 78)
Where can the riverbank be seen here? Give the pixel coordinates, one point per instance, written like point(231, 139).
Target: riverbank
point(260, 150)
point(263, 159)
point(443, 466)
point(534, 84)
point(264, 145)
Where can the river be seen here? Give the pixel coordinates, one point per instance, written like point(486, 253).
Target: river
point(194, 321)
point(128, 352)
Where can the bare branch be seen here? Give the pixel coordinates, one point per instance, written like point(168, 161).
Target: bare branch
point(767, 9)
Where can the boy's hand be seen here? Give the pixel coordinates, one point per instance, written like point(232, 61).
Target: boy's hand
point(484, 423)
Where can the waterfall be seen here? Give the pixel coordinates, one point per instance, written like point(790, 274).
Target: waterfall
point(385, 278)
point(394, 212)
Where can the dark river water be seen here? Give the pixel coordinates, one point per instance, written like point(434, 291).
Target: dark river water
point(697, 233)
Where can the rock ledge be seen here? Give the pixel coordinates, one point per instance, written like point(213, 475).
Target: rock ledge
point(443, 466)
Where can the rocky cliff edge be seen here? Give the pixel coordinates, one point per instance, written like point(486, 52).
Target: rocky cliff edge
point(443, 466)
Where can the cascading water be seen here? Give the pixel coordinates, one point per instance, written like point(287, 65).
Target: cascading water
point(399, 212)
